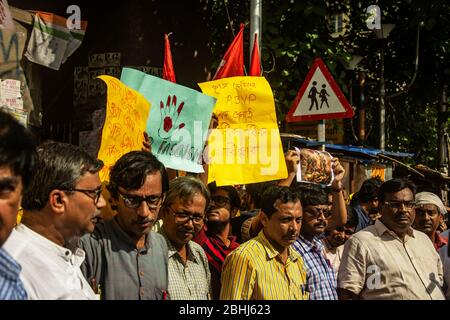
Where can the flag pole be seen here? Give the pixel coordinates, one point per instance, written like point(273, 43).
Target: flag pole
point(255, 24)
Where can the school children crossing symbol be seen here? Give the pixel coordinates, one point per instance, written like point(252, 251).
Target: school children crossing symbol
point(319, 97)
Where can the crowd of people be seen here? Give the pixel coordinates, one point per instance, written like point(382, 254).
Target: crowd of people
point(161, 237)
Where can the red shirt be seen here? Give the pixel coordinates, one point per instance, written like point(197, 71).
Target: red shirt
point(439, 241)
point(216, 252)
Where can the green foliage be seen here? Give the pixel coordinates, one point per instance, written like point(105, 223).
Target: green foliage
point(296, 32)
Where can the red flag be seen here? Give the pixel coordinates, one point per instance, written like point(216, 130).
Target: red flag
point(168, 71)
point(255, 63)
point(232, 64)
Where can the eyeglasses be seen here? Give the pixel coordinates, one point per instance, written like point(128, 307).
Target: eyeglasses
point(220, 201)
point(94, 194)
point(317, 212)
point(183, 217)
point(398, 204)
point(134, 202)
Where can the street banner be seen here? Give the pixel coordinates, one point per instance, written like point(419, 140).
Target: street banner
point(246, 146)
point(178, 123)
point(126, 115)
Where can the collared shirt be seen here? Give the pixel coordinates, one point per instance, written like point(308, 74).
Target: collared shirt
point(123, 271)
point(216, 252)
point(320, 276)
point(49, 271)
point(190, 280)
point(11, 287)
point(255, 271)
point(377, 264)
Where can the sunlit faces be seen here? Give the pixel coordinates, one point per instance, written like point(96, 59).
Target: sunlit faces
point(315, 219)
point(283, 226)
point(10, 197)
point(427, 218)
point(83, 208)
point(139, 221)
point(180, 219)
point(397, 211)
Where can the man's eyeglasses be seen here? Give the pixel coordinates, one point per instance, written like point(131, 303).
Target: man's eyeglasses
point(398, 204)
point(316, 212)
point(134, 202)
point(220, 201)
point(94, 194)
point(183, 217)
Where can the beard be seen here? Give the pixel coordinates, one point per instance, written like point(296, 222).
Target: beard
point(216, 226)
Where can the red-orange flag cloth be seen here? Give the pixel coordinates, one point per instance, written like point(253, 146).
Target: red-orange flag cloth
point(255, 63)
point(168, 71)
point(232, 64)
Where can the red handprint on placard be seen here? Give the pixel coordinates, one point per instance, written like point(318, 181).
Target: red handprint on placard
point(169, 117)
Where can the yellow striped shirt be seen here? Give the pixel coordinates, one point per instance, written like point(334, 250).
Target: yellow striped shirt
point(255, 271)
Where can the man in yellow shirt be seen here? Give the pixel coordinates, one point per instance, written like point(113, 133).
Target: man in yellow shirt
point(266, 267)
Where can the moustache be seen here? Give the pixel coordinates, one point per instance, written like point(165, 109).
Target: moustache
point(320, 224)
point(145, 220)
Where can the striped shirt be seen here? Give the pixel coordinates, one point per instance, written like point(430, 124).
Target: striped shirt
point(320, 275)
point(190, 280)
point(11, 287)
point(255, 271)
point(216, 252)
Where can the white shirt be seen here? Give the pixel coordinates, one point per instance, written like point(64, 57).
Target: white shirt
point(376, 264)
point(49, 271)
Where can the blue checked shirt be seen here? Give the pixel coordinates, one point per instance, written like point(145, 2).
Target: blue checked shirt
point(11, 287)
point(320, 275)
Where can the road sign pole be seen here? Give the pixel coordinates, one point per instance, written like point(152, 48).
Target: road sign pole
point(321, 133)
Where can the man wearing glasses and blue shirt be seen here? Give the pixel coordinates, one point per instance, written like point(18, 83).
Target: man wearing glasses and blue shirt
point(61, 203)
point(125, 260)
point(391, 260)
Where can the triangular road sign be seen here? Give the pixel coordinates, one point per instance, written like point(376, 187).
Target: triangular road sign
point(319, 97)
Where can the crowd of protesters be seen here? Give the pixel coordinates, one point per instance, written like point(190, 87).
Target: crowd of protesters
point(174, 238)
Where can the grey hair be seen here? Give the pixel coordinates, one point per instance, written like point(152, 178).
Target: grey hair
point(60, 166)
point(184, 188)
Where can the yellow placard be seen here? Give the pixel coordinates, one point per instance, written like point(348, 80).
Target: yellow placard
point(126, 116)
point(246, 146)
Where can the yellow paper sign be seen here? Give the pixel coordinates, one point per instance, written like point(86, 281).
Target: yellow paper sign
point(126, 116)
point(246, 147)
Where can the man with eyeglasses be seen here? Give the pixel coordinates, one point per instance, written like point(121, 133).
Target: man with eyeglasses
point(429, 212)
point(320, 276)
point(125, 259)
point(391, 260)
point(215, 236)
point(183, 213)
point(61, 204)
